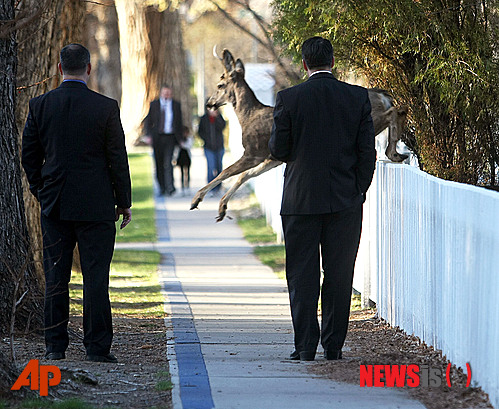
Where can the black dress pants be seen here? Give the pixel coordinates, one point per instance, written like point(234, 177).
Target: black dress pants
point(96, 245)
point(163, 146)
point(336, 237)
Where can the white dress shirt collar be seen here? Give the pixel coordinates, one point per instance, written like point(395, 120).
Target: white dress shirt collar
point(321, 71)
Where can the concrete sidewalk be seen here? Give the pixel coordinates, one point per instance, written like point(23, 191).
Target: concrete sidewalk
point(229, 325)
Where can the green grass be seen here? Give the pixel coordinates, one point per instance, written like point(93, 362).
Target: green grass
point(257, 230)
point(142, 228)
point(134, 289)
point(272, 254)
point(164, 383)
point(40, 403)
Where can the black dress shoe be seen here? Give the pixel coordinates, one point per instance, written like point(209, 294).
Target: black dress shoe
point(55, 356)
point(102, 358)
point(333, 354)
point(302, 356)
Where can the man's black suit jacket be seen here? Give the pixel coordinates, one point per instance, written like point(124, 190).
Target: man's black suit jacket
point(153, 119)
point(74, 154)
point(323, 130)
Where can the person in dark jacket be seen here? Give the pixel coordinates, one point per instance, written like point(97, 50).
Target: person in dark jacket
point(74, 155)
point(164, 125)
point(211, 126)
point(323, 130)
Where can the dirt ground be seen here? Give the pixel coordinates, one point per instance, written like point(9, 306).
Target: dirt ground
point(371, 341)
point(139, 380)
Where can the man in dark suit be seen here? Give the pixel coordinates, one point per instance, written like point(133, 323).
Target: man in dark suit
point(74, 155)
point(324, 132)
point(164, 124)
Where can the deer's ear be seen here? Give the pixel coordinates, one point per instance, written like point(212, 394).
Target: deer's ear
point(239, 67)
point(228, 60)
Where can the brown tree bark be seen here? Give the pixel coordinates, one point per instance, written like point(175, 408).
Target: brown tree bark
point(8, 376)
point(39, 46)
point(135, 49)
point(167, 62)
point(102, 39)
point(151, 53)
point(18, 280)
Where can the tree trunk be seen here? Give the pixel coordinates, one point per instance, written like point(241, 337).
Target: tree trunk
point(152, 53)
point(17, 273)
point(102, 39)
point(8, 375)
point(37, 74)
point(135, 50)
point(168, 61)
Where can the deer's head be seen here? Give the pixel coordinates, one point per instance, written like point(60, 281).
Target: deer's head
point(232, 76)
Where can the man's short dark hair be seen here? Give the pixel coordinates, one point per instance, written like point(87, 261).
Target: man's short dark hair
point(74, 59)
point(317, 52)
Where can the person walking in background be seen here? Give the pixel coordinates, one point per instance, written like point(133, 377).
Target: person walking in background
point(74, 155)
point(211, 126)
point(323, 130)
point(164, 124)
point(184, 160)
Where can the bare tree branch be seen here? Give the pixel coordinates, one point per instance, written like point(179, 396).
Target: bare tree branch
point(292, 75)
point(263, 24)
point(35, 84)
point(23, 19)
point(108, 4)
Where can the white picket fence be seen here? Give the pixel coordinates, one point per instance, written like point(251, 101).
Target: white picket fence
point(429, 258)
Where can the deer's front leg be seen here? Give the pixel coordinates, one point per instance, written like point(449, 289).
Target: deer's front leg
point(263, 167)
point(243, 164)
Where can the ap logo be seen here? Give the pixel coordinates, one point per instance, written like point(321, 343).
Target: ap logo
point(37, 376)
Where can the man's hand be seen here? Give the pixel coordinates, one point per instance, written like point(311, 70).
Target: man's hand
point(127, 216)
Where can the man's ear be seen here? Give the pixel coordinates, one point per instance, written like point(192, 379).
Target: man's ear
point(332, 63)
point(89, 68)
point(304, 65)
point(59, 67)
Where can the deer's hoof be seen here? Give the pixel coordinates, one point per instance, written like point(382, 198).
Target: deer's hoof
point(402, 158)
point(222, 211)
point(397, 157)
point(195, 201)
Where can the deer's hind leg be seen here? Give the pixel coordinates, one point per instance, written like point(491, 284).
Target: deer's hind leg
point(263, 167)
point(243, 164)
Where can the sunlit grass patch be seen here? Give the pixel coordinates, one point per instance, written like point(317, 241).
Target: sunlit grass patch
point(257, 230)
point(272, 254)
point(134, 288)
point(142, 227)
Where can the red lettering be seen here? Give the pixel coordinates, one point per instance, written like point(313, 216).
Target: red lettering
point(395, 375)
point(413, 376)
point(38, 377)
point(45, 381)
point(366, 375)
point(30, 370)
point(378, 375)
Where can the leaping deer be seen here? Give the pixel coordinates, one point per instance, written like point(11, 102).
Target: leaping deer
point(256, 120)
